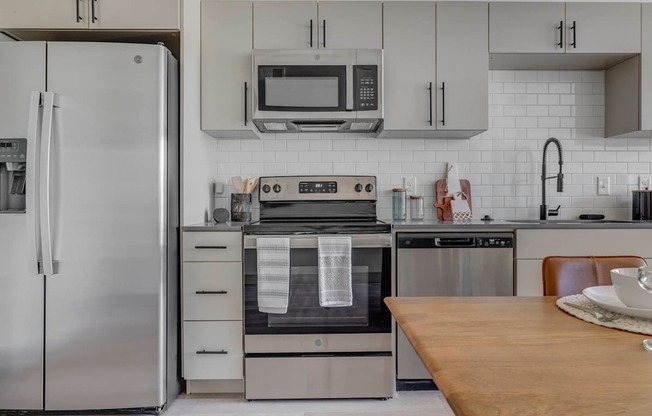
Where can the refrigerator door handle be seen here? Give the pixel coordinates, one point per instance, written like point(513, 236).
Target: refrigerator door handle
point(44, 184)
point(33, 225)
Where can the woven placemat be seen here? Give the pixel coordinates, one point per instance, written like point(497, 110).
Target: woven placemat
point(625, 323)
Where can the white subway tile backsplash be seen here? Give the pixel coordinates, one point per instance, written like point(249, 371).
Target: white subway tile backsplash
point(503, 163)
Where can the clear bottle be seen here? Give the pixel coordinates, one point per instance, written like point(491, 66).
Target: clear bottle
point(416, 208)
point(399, 211)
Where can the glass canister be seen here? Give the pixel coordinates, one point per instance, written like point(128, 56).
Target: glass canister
point(416, 208)
point(398, 204)
point(241, 207)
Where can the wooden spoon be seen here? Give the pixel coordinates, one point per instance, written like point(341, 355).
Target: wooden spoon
point(237, 184)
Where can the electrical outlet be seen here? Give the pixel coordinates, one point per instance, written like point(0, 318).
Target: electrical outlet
point(644, 182)
point(218, 188)
point(604, 185)
point(410, 185)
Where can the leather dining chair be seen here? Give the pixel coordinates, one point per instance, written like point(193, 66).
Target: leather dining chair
point(563, 276)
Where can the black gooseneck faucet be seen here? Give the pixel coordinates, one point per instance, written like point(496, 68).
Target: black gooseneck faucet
point(543, 208)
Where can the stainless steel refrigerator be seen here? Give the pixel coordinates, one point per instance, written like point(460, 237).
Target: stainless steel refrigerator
point(88, 226)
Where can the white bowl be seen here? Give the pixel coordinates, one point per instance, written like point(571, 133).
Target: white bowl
point(625, 282)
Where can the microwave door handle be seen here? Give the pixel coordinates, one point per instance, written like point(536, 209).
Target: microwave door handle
point(350, 87)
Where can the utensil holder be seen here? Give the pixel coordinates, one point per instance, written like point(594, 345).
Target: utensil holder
point(241, 207)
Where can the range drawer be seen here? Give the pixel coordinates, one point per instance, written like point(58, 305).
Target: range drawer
point(212, 291)
point(212, 246)
point(212, 350)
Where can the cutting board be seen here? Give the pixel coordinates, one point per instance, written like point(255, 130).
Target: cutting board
point(443, 203)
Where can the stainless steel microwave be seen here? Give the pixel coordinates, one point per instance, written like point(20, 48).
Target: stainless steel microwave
point(318, 91)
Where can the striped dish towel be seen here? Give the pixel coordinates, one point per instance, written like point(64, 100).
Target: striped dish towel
point(273, 274)
point(335, 288)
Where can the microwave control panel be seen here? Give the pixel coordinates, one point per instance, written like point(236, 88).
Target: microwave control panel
point(366, 87)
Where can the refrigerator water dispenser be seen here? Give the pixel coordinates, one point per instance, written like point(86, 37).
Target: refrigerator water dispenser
point(12, 175)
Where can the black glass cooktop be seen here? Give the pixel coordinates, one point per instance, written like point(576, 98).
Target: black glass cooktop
point(321, 227)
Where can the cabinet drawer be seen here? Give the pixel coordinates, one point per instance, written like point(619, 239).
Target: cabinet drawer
point(212, 350)
point(212, 246)
point(212, 291)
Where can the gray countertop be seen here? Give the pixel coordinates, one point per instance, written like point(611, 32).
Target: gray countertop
point(475, 225)
point(214, 226)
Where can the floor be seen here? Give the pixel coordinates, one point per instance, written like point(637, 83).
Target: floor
point(417, 403)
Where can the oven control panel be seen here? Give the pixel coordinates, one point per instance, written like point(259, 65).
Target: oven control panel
point(329, 187)
point(317, 188)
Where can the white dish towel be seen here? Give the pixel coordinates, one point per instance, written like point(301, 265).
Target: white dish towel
point(273, 256)
point(335, 289)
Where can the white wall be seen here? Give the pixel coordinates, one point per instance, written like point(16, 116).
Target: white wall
point(526, 107)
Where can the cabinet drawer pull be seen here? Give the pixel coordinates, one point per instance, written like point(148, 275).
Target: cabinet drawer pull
point(210, 247)
point(220, 352)
point(324, 33)
point(311, 33)
point(561, 34)
point(211, 292)
point(574, 27)
point(246, 88)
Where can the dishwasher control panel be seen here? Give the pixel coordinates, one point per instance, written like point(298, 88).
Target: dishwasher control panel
point(492, 242)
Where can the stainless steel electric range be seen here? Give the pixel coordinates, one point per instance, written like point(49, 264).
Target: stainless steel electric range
point(313, 351)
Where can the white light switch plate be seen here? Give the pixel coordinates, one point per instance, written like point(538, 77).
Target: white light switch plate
point(604, 185)
point(644, 182)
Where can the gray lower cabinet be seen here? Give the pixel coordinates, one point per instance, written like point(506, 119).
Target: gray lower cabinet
point(212, 310)
point(436, 69)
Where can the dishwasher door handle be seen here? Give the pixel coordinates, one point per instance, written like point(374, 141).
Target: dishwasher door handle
point(454, 242)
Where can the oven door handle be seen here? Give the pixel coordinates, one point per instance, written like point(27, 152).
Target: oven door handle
point(310, 241)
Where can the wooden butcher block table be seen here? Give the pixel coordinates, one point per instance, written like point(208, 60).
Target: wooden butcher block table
point(523, 356)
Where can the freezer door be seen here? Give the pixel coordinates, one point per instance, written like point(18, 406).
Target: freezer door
point(22, 70)
point(105, 302)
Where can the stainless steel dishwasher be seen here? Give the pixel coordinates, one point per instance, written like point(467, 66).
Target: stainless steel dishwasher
point(449, 264)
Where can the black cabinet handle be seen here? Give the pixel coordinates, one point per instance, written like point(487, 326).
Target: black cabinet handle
point(94, 18)
point(574, 27)
point(245, 102)
point(561, 34)
point(79, 18)
point(324, 33)
point(443, 103)
point(211, 292)
point(204, 352)
point(210, 247)
point(430, 118)
point(311, 33)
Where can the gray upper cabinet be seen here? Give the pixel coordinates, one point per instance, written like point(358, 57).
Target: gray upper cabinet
point(226, 40)
point(462, 66)
point(43, 14)
point(526, 27)
point(350, 25)
point(312, 25)
point(587, 28)
point(603, 27)
point(285, 25)
point(409, 31)
point(436, 69)
point(93, 14)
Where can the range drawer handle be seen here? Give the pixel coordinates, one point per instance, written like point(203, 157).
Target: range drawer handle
point(220, 352)
point(211, 292)
point(210, 247)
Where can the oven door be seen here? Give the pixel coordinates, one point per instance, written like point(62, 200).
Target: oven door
point(371, 280)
